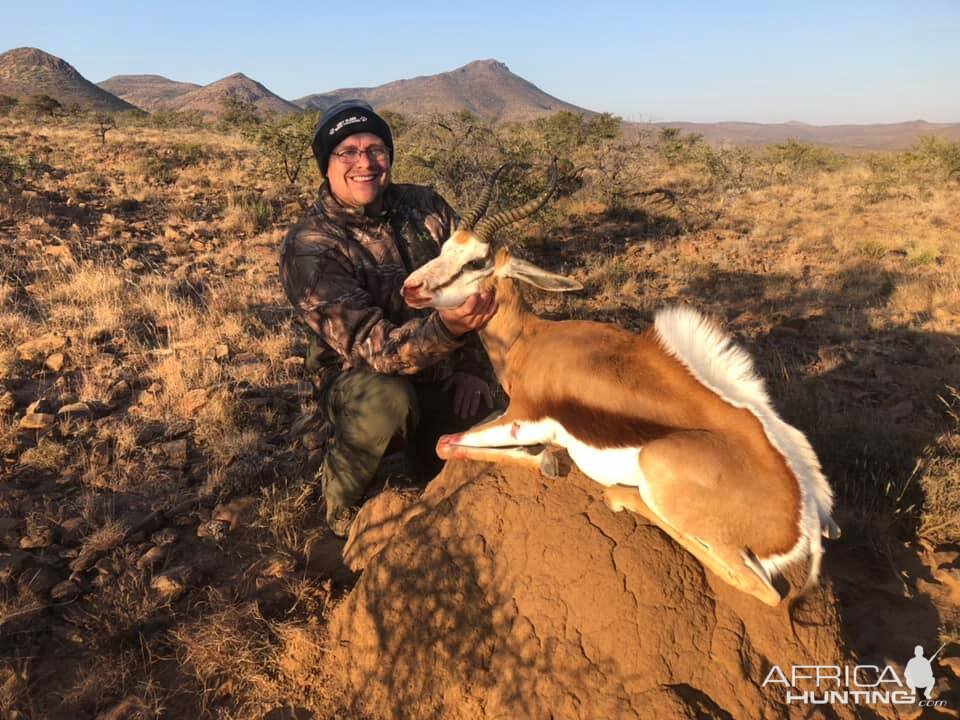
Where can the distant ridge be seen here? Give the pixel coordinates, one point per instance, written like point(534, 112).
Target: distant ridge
point(147, 92)
point(891, 136)
point(486, 88)
point(209, 98)
point(28, 71)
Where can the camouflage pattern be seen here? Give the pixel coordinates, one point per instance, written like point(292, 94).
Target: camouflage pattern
point(343, 272)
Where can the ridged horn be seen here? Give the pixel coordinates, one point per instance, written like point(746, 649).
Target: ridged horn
point(486, 227)
point(469, 219)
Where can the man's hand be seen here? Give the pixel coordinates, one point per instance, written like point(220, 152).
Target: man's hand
point(476, 311)
point(468, 391)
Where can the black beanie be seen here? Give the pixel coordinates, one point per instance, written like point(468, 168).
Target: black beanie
point(342, 120)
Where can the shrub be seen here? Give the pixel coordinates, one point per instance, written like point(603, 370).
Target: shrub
point(285, 143)
point(7, 104)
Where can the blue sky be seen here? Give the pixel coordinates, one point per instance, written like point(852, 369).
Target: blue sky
point(818, 62)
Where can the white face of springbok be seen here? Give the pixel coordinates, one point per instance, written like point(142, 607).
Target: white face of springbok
point(468, 259)
point(463, 265)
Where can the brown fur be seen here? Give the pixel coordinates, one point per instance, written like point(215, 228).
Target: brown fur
point(705, 460)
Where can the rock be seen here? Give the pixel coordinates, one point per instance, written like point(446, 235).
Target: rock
point(239, 511)
point(174, 582)
point(176, 452)
point(39, 348)
point(72, 530)
point(131, 708)
point(54, 363)
point(502, 594)
point(65, 591)
point(221, 352)
point(149, 432)
point(153, 557)
point(119, 392)
point(75, 411)
point(192, 401)
point(37, 421)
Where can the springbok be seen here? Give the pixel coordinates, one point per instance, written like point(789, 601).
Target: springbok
point(674, 422)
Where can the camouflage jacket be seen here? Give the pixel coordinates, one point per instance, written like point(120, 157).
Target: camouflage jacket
point(343, 272)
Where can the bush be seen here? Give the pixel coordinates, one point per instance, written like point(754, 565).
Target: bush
point(41, 105)
point(7, 104)
point(285, 143)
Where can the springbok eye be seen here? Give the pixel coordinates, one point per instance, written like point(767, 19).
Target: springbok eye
point(477, 264)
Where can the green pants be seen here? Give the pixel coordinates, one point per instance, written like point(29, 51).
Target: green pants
point(367, 410)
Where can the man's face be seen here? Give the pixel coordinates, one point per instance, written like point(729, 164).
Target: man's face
point(360, 182)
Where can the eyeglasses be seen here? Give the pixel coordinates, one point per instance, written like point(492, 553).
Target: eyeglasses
point(351, 155)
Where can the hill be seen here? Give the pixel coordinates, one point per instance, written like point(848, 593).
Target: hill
point(209, 98)
point(28, 71)
point(486, 88)
point(147, 92)
point(892, 136)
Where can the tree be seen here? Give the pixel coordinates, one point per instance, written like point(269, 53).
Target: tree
point(39, 105)
point(7, 104)
point(285, 142)
point(105, 123)
point(237, 112)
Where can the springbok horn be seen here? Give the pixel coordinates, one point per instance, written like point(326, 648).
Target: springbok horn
point(486, 227)
point(468, 220)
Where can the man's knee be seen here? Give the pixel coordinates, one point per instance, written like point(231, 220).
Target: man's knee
point(371, 402)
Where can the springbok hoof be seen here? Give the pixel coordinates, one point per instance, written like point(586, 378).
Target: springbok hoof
point(550, 465)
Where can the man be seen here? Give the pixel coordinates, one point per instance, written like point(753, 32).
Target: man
point(382, 369)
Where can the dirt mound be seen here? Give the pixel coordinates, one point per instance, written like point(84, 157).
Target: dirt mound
point(501, 594)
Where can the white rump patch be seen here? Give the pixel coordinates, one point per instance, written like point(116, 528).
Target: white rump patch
point(726, 369)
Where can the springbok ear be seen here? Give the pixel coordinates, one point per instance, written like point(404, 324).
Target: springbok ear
point(538, 277)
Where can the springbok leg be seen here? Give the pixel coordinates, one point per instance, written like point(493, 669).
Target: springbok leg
point(729, 565)
point(498, 441)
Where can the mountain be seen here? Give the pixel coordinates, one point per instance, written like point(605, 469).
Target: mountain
point(486, 88)
point(27, 71)
point(147, 92)
point(209, 98)
point(891, 136)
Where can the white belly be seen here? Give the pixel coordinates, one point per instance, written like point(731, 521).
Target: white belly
point(607, 466)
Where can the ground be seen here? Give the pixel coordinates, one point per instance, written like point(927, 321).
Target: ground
point(156, 425)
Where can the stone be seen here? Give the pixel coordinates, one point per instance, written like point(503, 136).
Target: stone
point(153, 557)
point(239, 511)
point(54, 363)
point(118, 392)
point(174, 582)
point(192, 401)
point(75, 411)
point(37, 421)
point(72, 530)
point(65, 591)
point(40, 348)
